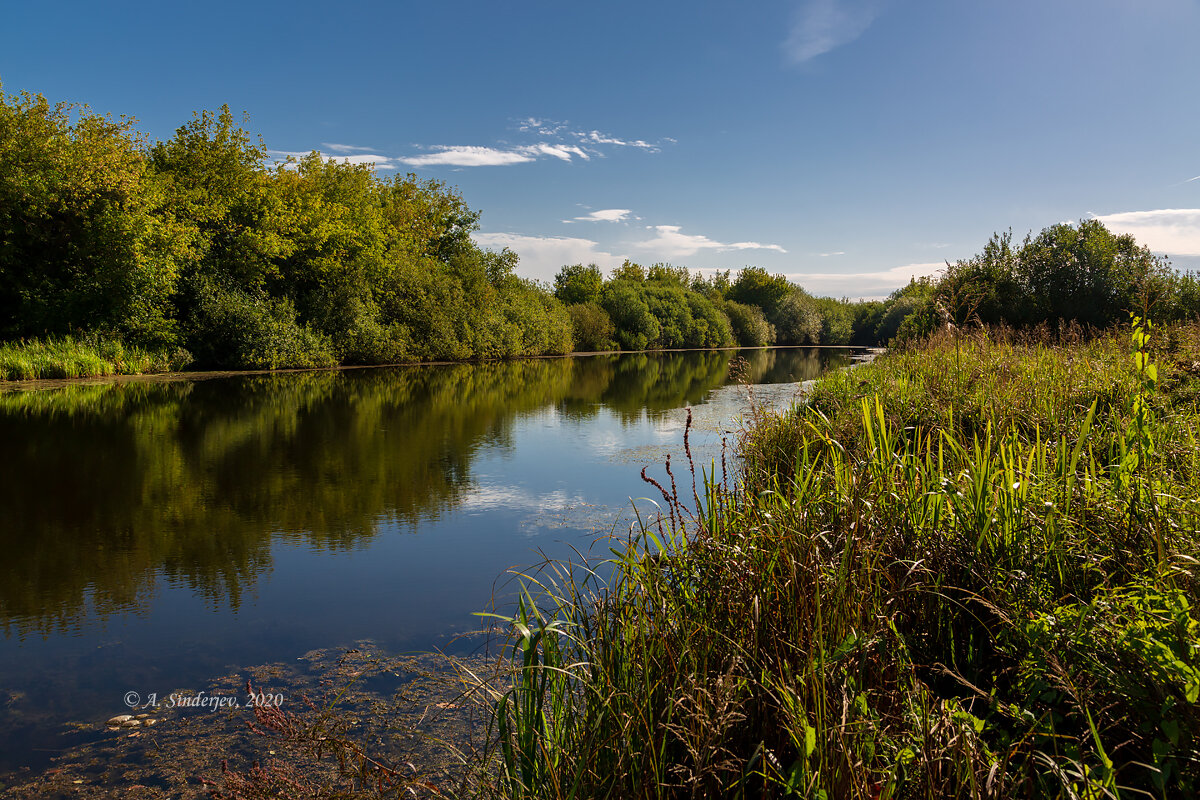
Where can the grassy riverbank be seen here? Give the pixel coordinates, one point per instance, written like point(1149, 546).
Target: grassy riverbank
point(966, 570)
point(86, 357)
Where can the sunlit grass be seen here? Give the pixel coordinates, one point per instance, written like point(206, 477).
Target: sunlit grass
point(968, 570)
point(68, 357)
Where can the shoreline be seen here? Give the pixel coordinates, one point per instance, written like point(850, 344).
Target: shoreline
point(39, 384)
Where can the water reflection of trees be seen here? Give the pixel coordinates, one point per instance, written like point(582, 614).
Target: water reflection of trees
point(106, 488)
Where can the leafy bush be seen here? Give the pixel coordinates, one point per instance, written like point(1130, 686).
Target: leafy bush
point(749, 325)
point(577, 284)
point(232, 329)
point(592, 329)
point(625, 303)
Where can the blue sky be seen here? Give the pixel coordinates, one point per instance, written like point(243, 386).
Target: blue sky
point(848, 144)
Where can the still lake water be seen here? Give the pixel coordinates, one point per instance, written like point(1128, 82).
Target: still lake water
point(156, 534)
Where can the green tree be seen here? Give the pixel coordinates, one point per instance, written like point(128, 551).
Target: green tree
point(625, 303)
point(986, 288)
point(1088, 274)
point(668, 275)
point(629, 271)
point(592, 328)
point(710, 326)
point(837, 326)
point(865, 319)
point(84, 244)
point(914, 299)
point(754, 287)
point(715, 287)
point(797, 319)
point(578, 284)
point(750, 326)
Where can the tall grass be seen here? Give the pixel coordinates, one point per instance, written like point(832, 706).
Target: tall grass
point(69, 357)
point(968, 570)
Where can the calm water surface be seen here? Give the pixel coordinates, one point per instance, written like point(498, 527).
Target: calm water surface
point(157, 534)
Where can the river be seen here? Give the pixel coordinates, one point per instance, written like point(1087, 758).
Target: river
point(158, 533)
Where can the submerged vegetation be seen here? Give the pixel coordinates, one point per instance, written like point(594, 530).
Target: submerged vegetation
point(966, 570)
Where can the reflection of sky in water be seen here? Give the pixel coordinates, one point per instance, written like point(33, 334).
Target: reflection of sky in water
point(286, 562)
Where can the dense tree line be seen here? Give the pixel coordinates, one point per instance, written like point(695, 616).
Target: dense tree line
point(199, 243)
point(201, 247)
point(662, 306)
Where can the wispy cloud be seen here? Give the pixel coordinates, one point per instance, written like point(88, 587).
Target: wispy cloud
point(668, 242)
point(834, 253)
point(543, 256)
point(466, 156)
point(604, 215)
point(868, 285)
point(596, 137)
point(366, 157)
point(1173, 231)
point(345, 148)
point(544, 139)
point(823, 25)
point(564, 152)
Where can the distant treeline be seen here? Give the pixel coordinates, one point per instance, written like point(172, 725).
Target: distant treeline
point(1082, 274)
point(200, 252)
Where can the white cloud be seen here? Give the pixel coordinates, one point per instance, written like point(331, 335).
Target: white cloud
point(473, 156)
point(670, 243)
point(596, 137)
point(543, 256)
point(1173, 231)
point(542, 127)
point(868, 285)
point(466, 156)
point(345, 148)
point(558, 141)
point(604, 215)
point(823, 25)
point(834, 253)
point(380, 162)
point(561, 151)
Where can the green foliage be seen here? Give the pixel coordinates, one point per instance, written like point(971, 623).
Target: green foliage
point(625, 302)
point(837, 324)
point(915, 298)
point(986, 288)
point(1078, 274)
point(749, 325)
point(669, 276)
point(233, 328)
point(710, 326)
point(578, 284)
point(1134, 649)
point(591, 328)
point(754, 287)
point(715, 288)
point(197, 241)
point(629, 271)
point(797, 319)
point(1087, 274)
point(83, 242)
point(928, 582)
point(865, 319)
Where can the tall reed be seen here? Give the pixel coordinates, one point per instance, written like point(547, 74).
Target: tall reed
point(945, 576)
